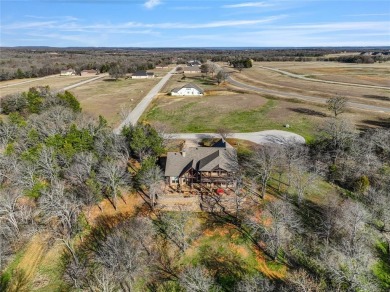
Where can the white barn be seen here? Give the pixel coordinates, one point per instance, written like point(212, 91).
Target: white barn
point(188, 89)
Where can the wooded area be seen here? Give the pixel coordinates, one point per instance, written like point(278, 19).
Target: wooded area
point(317, 217)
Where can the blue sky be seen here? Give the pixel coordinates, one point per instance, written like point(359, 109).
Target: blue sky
point(201, 23)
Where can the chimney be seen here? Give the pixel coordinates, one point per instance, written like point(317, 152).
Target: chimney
point(183, 153)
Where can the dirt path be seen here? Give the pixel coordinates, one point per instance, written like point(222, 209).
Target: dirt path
point(33, 255)
point(303, 77)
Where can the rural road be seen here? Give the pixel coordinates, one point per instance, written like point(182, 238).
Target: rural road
point(262, 137)
point(315, 99)
point(303, 77)
point(136, 113)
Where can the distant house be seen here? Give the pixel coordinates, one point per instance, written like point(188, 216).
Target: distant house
point(142, 75)
point(68, 72)
point(91, 72)
point(191, 70)
point(188, 89)
point(212, 166)
point(193, 63)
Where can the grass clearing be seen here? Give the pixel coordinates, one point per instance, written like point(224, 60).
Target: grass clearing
point(109, 98)
point(225, 252)
point(55, 82)
point(236, 112)
point(273, 80)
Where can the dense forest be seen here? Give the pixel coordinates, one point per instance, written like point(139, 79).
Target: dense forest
point(18, 63)
point(304, 217)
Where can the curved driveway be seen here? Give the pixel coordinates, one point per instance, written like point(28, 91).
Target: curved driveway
point(262, 137)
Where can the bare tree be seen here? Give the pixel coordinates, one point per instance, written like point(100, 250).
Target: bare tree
point(113, 176)
point(303, 282)
point(125, 253)
point(153, 180)
point(257, 283)
point(221, 76)
point(281, 229)
point(337, 105)
point(196, 279)
point(179, 228)
point(262, 165)
point(302, 179)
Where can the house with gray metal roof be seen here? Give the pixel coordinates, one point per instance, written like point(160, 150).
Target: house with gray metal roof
point(142, 75)
point(188, 89)
point(214, 166)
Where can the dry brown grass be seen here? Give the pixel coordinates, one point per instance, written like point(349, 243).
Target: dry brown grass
point(103, 97)
point(273, 80)
point(55, 82)
point(126, 206)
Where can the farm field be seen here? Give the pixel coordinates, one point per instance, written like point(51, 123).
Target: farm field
point(244, 113)
point(55, 82)
point(369, 74)
point(273, 80)
point(108, 98)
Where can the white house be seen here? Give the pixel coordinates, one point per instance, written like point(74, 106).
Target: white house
point(188, 89)
point(69, 72)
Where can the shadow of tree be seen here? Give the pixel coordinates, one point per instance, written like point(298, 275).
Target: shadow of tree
point(307, 111)
point(378, 97)
point(381, 122)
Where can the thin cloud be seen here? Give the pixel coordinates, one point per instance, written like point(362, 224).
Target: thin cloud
point(150, 4)
point(69, 26)
point(248, 4)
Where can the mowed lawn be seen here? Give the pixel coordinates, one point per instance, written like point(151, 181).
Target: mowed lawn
point(109, 98)
point(236, 112)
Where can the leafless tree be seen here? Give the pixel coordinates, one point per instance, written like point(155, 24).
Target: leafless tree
point(256, 283)
point(153, 180)
point(284, 223)
point(337, 105)
point(125, 254)
point(263, 164)
point(113, 176)
point(329, 217)
point(179, 228)
point(302, 178)
point(224, 132)
point(197, 279)
point(353, 220)
point(338, 134)
point(47, 164)
point(303, 282)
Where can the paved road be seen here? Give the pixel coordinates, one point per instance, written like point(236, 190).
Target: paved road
point(322, 81)
point(137, 112)
point(262, 137)
point(315, 99)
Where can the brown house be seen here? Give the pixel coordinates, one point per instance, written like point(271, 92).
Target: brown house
point(213, 166)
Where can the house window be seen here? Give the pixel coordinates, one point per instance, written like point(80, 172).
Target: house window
point(175, 179)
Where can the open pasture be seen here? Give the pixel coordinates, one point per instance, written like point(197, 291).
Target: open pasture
point(265, 78)
point(112, 99)
point(246, 113)
point(55, 82)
